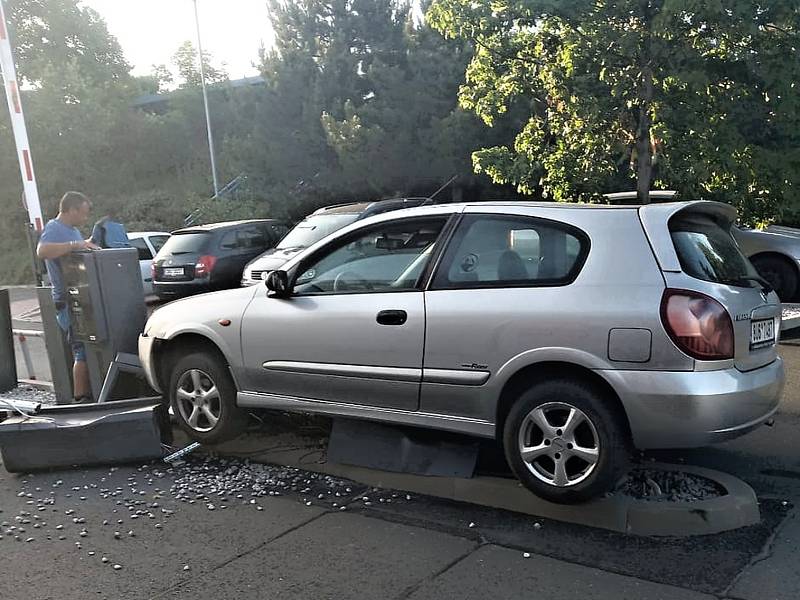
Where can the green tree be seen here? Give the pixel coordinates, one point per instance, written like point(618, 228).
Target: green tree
point(687, 94)
point(51, 35)
point(188, 66)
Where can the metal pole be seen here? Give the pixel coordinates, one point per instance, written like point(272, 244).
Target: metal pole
point(18, 126)
point(205, 102)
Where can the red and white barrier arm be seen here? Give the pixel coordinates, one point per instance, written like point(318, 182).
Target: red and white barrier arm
point(18, 125)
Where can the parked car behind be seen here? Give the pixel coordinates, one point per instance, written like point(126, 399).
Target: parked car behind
point(316, 226)
point(569, 333)
point(775, 253)
point(211, 257)
point(148, 243)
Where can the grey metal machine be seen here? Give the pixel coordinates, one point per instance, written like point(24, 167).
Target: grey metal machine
point(107, 308)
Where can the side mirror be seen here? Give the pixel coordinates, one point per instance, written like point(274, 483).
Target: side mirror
point(278, 284)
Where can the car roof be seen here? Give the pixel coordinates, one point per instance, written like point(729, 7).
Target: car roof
point(358, 208)
point(141, 234)
point(211, 227)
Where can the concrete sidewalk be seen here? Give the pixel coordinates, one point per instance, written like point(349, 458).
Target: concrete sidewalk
point(214, 546)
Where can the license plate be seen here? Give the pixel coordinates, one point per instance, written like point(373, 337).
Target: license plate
point(762, 333)
point(173, 272)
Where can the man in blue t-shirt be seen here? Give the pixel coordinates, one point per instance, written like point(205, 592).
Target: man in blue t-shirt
point(59, 238)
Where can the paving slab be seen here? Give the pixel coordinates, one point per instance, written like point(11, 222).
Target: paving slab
point(152, 560)
point(775, 575)
point(499, 573)
point(336, 556)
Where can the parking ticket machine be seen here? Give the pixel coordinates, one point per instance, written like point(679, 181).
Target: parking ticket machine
point(106, 305)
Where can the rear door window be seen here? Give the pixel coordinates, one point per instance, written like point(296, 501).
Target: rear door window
point(229, 241)
point(508, 251)
point(253, 237)
point(141, 247)
point(708, 251)
point(158, 241)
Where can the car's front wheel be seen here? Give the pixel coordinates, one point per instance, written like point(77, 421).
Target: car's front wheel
point(203, 399)
point(565, 442)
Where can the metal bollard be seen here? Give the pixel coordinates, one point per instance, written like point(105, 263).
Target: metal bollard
point(8, 364)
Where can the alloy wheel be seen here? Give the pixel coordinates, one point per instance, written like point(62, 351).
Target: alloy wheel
point(198, 400)
point(559, 444)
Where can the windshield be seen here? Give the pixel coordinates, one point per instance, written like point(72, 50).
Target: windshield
point(184, 243)
point(708, 252)
point(312, 229)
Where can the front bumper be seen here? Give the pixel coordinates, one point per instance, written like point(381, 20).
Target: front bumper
point(696, 408)
point(146, 357)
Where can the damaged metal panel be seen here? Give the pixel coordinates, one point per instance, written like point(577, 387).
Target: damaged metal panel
point(83, 435)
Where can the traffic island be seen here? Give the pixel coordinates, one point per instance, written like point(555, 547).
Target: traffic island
point(733, 505)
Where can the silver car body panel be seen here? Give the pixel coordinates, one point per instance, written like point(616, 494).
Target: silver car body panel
point(447, 366)
point(774, 240)
point(466, 425)
point(309, 333)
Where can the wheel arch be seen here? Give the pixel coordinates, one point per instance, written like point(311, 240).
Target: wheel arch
point(183, 343)
point(524, 377)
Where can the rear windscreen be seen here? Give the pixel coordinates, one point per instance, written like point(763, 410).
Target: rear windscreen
point(185, 243)
point(707, 251)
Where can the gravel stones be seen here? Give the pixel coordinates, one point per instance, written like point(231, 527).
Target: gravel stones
point(669, 486)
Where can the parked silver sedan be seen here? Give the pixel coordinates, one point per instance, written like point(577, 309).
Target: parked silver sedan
point(775, 253)
point(570, 333)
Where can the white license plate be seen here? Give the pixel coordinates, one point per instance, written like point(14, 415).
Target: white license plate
point(762, 333)
point(173, 272)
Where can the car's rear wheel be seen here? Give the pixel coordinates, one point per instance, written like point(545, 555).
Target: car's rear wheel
point(779, 273)
point(565, 442)
point(203, 399)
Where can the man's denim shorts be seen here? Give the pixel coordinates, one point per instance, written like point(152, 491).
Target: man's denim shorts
point(78, 349)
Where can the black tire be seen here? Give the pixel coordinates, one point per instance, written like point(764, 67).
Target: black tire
point(211, 371)
point(780, 274)
point(553, 399)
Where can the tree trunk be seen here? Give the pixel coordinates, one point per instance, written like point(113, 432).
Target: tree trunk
point(644, 156)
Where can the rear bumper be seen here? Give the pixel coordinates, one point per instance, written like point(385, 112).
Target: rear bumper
point(179, 289)
point(695, 408)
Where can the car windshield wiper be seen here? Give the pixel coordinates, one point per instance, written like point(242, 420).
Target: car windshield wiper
point(760, 280)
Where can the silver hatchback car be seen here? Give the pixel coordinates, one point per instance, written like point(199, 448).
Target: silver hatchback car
point(570, 333)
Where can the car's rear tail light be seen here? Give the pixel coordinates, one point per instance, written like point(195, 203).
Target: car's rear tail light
point(204, 265)
point(699, 325)
point(153, 270)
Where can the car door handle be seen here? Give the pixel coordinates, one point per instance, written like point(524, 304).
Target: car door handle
point(392, 317)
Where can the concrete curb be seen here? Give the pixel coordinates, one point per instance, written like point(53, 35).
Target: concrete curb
point(738, 508)
point(623, 514)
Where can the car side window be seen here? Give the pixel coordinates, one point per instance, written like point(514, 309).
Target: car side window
point(389, 257)
point(141, 247)
point(229, 241)
point(509, 251)
point(158, 241)
point(252, 237)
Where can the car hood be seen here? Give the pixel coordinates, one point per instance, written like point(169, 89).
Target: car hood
point(273, 259)
point(202, 310)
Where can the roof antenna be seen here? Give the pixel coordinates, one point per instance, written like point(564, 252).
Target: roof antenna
point(434, 194)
